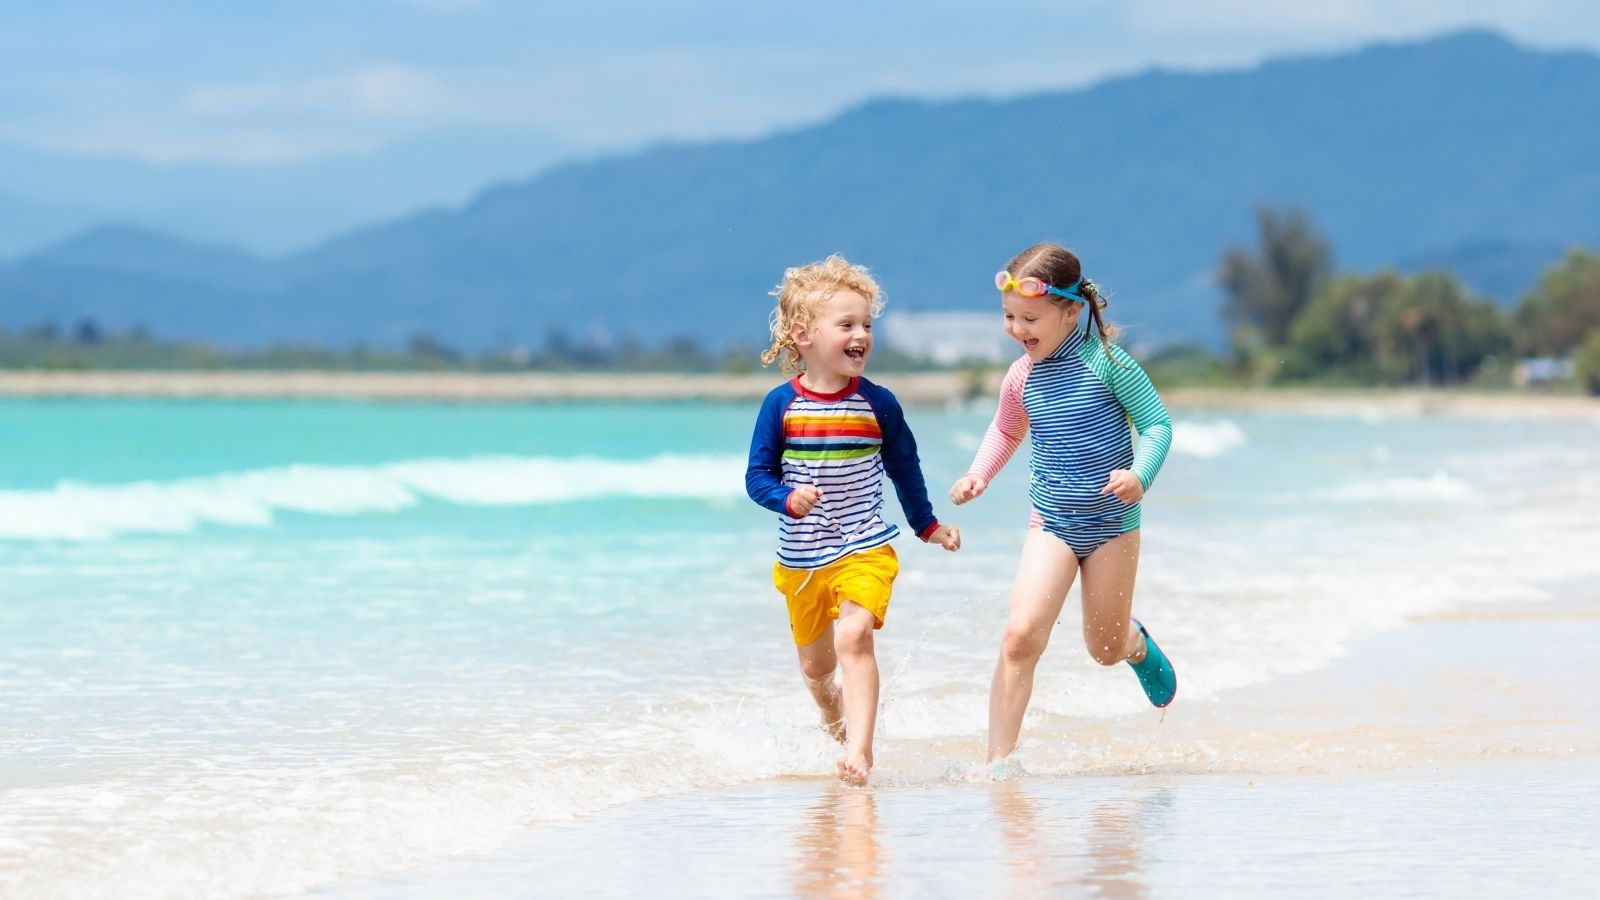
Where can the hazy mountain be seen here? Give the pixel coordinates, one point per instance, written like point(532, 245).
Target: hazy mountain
point(26, 224)
point(1501, 270)
point(268, 208)
point(1396, 150)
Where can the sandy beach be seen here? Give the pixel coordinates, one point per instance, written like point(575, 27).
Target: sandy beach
point(911, 387)
point(1458, 755)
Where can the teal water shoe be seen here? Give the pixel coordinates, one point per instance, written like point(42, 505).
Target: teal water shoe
point(1155, 672)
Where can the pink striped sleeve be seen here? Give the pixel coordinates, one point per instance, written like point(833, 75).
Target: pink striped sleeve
point(1009, 427)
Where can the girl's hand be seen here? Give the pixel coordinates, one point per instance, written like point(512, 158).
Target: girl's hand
point(803, 500)
point(967, 487)
point(946, 536)
point(1125, 485)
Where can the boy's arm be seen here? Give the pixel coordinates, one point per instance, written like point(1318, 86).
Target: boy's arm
point(900, 460)
point(763, 477)
point(1147, 413)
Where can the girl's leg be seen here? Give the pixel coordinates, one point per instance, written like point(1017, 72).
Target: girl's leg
point(1044, 575)
point(852, 641)
point(1108, 575)
point(817, 664)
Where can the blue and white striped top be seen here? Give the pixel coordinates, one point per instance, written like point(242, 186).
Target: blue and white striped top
point(1082, 404)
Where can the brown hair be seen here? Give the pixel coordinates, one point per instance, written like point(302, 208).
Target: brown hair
point(1060, 268)
point(806, 287)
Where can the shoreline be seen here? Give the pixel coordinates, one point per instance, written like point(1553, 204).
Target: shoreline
point(917, 388)
point(1412, 753)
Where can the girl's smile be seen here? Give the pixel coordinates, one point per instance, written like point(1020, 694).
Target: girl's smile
point(1038, 324)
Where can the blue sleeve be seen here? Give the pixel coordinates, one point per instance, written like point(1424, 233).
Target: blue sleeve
point(763, 477)
point(900, 459)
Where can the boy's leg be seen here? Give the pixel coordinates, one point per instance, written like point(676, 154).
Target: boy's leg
point(853, 643)
point(1044, 575)
point(817, 664)
point(1108, 576)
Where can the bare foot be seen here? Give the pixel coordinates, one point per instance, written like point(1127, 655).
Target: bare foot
point(834, 729)
point(853, 767)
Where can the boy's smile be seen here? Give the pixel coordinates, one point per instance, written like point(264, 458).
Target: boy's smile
point(837, 343)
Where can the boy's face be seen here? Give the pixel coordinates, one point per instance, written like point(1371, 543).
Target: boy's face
point(838, 339)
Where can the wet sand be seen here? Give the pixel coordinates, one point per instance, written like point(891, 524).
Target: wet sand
point(1459, 755)
point(911, 387)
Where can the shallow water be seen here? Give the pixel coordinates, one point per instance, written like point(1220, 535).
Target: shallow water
point(1485, 833)
point(320, 639)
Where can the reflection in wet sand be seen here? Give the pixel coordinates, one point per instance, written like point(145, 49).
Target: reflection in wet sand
point(839, 848)
point(1049, 853)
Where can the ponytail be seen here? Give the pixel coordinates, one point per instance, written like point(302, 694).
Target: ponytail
point(1096, 303)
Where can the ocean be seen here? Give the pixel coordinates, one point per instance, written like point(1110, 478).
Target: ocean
point(252, 648)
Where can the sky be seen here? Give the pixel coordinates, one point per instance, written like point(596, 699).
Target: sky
point(252, 84)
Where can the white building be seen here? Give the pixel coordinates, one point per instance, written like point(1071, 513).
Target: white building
point(948, 338)
point(1540, 370)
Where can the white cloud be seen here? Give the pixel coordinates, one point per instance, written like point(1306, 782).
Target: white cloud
point(377, 92)
point(158, 142)
point(354, 111)
point(447, 6)
point(620, 73)
point(1243, 19)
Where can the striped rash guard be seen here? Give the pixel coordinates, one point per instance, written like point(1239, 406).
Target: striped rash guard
point(1082, 405)
point(843, 443)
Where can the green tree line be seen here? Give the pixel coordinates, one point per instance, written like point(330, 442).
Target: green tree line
point(88, 346)
point(1295, 319)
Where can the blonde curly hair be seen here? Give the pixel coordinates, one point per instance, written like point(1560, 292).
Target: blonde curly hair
point(804, 288)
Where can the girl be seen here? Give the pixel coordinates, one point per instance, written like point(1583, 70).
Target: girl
point(1082, 397)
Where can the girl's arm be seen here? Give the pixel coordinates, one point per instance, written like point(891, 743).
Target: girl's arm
point(1009, 427)
point(1145, 410)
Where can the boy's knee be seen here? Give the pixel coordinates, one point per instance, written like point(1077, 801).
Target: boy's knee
point(816, 669)
point(853, 634)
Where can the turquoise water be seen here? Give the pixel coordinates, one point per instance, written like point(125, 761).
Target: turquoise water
point(324, 638)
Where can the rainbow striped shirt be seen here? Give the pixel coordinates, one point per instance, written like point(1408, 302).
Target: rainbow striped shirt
point(843, 443)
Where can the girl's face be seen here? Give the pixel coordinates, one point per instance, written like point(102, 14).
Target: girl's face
point(1039, 325)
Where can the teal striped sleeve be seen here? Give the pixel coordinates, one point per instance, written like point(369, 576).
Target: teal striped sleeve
point(1138, 397)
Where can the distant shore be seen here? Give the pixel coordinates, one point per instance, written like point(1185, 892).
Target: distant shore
point(911, 387)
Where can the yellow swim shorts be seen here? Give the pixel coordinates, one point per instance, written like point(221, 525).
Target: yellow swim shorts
point(814, 595)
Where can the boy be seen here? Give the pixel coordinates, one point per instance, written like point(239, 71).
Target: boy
point(822, 443)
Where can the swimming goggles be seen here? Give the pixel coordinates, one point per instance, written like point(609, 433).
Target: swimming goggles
point(1035, 287)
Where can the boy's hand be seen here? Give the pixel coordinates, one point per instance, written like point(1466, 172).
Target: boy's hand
point(967, 487)
point(1125, 485)
point(946, 536)
point(802, 500)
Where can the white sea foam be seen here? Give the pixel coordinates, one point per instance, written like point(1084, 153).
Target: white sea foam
point(1438, 486)
point(1206, 439)
point(76, 511)
point(363, 814)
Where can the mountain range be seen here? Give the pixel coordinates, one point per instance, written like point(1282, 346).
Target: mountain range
point(1464, 151)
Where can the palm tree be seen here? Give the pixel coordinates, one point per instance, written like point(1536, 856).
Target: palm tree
point(1268, 288)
